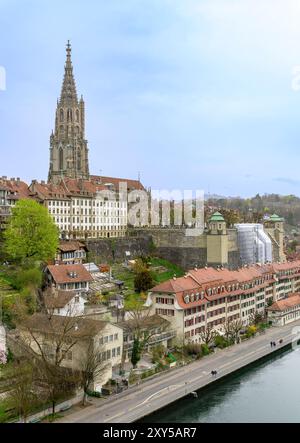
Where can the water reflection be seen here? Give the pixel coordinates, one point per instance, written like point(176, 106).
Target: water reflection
point(268, 392)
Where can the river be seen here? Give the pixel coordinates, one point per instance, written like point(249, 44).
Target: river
point(267, 392)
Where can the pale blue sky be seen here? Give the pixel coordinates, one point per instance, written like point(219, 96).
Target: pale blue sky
point(195, 94)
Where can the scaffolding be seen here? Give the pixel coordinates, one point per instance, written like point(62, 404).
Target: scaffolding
point(254, 244)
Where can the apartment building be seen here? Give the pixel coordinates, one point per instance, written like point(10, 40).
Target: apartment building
point(82, 208)
point(209, 297)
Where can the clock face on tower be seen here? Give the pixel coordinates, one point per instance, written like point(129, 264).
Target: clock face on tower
point(68, 147)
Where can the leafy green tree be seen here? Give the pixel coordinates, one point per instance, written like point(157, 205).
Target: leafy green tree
point(143, 281)
point(28, 278)
point(31, 234)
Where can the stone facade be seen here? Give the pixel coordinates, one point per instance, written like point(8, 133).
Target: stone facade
point(68, 146)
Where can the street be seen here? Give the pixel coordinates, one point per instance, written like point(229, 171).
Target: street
point(155, 393)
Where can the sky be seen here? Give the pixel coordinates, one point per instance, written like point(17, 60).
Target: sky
point(191, 94)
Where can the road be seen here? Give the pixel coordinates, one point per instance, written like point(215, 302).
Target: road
point(155, 393)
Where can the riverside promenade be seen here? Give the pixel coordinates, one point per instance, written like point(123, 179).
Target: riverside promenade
point(155, 393)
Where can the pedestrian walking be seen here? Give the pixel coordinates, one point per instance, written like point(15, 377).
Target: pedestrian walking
point(271, 343)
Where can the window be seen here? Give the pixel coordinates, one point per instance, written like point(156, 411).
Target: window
point(113, 352)
point(116, 336)
point(111, 337)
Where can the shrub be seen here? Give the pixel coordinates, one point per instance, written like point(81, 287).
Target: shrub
point(157, 353)
point(205, 349)
point(221, 341)
point(193, 349)
point(251, 330)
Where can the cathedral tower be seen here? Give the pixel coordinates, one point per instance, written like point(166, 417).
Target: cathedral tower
point(68, 146)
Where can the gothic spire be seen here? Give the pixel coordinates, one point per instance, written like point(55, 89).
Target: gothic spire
point(68, 92)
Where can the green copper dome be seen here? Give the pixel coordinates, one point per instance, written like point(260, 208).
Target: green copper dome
point(217, 217)
point(276, 218)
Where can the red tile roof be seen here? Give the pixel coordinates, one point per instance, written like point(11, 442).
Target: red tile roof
point(17, 187)
point(48, 191)
point(61, 273)
point(286, 303)
point(198, 280)
point(131, 184)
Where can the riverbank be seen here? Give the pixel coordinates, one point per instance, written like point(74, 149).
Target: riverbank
point(153, 395)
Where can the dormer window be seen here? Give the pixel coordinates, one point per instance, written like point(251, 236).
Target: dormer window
point(73, 274)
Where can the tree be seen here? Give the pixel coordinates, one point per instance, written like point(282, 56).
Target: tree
point(143, 278)
point(141, 327)
point(22, 397)
point(31, 234)
point(91, 368)
point(232, 329)
point(136, 352)
point(50, 348)
point(143, 281)
point(256, 318)
point(207, 335)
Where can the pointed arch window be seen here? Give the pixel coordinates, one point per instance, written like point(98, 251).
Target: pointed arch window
point(79, 161)
point(61, 115)
point(69, 115)
point(77, 115)
point(61, 159)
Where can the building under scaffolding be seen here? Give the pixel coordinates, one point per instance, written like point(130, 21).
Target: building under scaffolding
point(254, 244)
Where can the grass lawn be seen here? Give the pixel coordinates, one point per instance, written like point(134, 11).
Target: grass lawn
point(170, 270)
point(165, 271)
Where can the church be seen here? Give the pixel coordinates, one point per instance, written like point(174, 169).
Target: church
point(82, 205)
point(68, 146)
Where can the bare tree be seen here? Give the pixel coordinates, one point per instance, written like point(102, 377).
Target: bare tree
point(91, 368)
point(232, 329)
point(51, 338)
point(207, 335)
point(23, 397)
point(255, 318)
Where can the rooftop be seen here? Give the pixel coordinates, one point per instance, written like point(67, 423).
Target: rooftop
point(69, 326)
point(217, 216)
point(59, 299)
point(286, 303)
point(69, 273)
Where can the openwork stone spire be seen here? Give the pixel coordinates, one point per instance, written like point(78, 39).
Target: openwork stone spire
point(68, 91)
point(68, 146)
